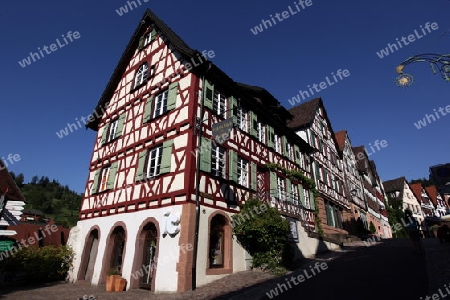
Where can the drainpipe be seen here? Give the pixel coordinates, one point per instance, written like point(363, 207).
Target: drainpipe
point(198, 129)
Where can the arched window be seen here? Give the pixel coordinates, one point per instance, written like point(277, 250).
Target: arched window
point(216, 242)
point(141, 75)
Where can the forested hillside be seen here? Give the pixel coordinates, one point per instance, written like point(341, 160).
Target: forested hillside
point(50, 197)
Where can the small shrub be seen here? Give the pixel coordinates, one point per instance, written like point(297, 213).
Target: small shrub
point(43, 264)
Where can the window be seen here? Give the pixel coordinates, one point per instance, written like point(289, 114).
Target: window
point(218, 161)
point(114, 129)
point(104, 178)
point(334, 215)
point(242, 171)
point(277, 141)
point(242, 119)
point(219, 103)
point(160, 104)
point(261, 133)
point(220, 246)
point(147, 38)
point(294, 194)
point(281, 189)
point(154, 162)
point(141, 75)
point(289, 151)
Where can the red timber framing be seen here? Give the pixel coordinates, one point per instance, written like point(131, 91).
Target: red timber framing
point(225, 194)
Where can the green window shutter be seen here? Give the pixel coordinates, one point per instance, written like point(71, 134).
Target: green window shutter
point(141, 42)
point(205, 154)
point(105, 133)
point(233, 161)
point(313, 139)
point(301, 194)
point(270, 136)
point(140, 172)
point(153, 34)
point(329, 213)
point(289, 190)
point(232, 104)
point(166, 157)
point(94, 188)
point(149, 105)
point(284, 145)
point(325, 176)
point(112, 175)
point(209, 95)
point(297, 154)
point(312, 200)
point(253, 124)
point(254, 176)
point(273, 185)
point(120, 124)
point(317, 171)
point(172, 96)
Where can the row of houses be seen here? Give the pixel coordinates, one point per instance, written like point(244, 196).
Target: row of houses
point(422, 201)
point(180, 146)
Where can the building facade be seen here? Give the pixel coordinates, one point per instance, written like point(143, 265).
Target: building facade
point(179, 147)
point(399, 190)
point(312, 124)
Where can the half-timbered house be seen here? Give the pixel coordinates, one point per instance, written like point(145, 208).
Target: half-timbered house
point(179, 147)
point(312, 124)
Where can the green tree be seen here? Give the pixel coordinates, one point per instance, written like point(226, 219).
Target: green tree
point(395, 217)
point(372, 228)
point(263, 232)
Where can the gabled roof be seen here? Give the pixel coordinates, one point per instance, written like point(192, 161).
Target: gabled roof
point(432, 192)
point(8, 185)
point(148, 18)
point(361, 163)
point(394, 185)
point(417, 190)
point(340, 139)
point(303, 116)
point(258, 94)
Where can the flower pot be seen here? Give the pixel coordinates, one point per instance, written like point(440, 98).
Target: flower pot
point(110, 282)
point(120, 284)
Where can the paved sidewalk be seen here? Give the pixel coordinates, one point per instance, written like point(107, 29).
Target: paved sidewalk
point(245, 285)
point(249, 284)
point(438, 264)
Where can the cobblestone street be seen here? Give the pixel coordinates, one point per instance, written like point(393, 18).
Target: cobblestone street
point(254, 284)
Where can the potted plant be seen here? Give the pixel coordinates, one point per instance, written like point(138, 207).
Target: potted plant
point(113, 273)
point(120, 284)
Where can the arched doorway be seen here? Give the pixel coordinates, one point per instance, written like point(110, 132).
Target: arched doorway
point(117, 251)
point(219, 246)
point(89, 256)
point(148, 256)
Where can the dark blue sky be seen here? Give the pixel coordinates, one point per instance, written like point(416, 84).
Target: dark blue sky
point(40, 99)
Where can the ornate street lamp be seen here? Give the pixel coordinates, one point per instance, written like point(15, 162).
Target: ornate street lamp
point(438, 62)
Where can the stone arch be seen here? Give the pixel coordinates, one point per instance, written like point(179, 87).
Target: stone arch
point(115, 249)
point(89, 254)
point(220, 244)
point(149, 228)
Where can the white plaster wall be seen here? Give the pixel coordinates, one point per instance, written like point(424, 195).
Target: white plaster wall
point(309, 246)
point(166, 279)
